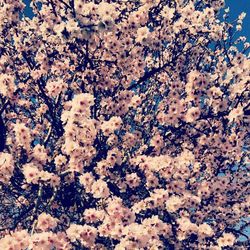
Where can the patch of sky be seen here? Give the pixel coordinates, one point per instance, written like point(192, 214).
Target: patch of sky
point(245, 231)
point(236, 8)
point(36, 142)
point(28, 12)
point(33, 99)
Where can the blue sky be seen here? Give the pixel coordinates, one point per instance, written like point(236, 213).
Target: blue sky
point(236, 7)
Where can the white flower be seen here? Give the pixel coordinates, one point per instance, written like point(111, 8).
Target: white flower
point(227, 239)
point(242, 16)
point(235, 113)
point(205, 230)
point(167, 12)
point(142, 34)
point(173, 203)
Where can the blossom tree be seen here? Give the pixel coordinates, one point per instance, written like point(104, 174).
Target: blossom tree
point(123, 125)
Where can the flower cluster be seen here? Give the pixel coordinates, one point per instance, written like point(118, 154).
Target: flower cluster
point(6, 167)
point(227, 239)
point(18, 240)
point(22, 135)
point(100, 189)
point(108, 127)
point(85, 234)
point(80, 131)
point(123, 125)
point(33, 175)
point(54, 88)
point(46, 222)
point(7, 85)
